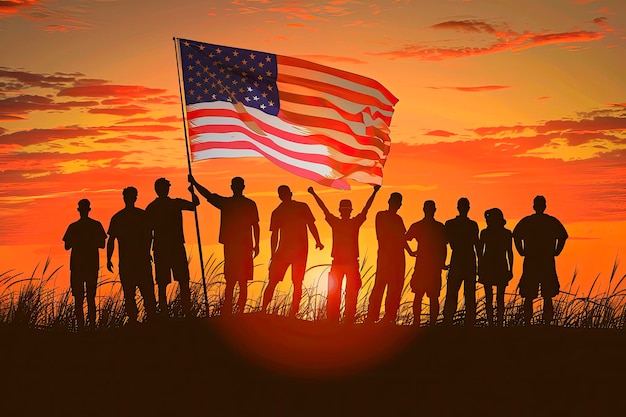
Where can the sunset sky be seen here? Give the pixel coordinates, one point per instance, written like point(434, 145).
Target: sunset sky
point(498, 101)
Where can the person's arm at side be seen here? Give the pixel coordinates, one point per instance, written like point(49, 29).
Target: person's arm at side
point(410, 235)
point(67, 239)
point(103, 237)
point(509, 255)
point(319, 201)
point(110, 249)
point(560, 242)
point(370, 200)
point(316, 236)
point(256, 232)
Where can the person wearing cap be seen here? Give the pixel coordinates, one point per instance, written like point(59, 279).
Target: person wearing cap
point(345, 253)
point(539, 238)
point(495, 262)
point(131, 229)
point(170, 258)
point(462, 235)
point(84, 237)
point(289, 245)
point(239, 234)
point(390, 264)
point(430, 260)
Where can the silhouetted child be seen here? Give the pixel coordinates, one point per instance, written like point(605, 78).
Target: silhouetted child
point(84, 237)
point(345, 253)
point(495, 262)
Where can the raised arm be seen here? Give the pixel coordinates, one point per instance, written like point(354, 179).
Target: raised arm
point(370, 200)
point(319, 201)
point(203, 191)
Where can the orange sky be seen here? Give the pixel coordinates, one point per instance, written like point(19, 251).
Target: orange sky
point(499, 101)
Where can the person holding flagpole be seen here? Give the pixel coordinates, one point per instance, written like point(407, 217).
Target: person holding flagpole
point(239, 234)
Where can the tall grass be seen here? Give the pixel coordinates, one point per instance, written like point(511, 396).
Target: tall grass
point(35, 301)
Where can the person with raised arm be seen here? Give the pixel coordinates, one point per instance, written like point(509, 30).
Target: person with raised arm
point(345, 254)
point(239, 234)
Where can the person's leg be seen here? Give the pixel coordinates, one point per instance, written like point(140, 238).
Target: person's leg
point(433, 301)
point(392, 301)
point(489, 303)
point(353, 285)
point(268, 294)
point(528, 310)
point(229, 289)
point(548, 310)
point(91, 303)
point(277, 270)
point(375, 299)
point(185, 297)
point(469, 291)
point(130, 304)
point(297, 276)
point(333, 301)
point(452, 298)
point(146, 288)
point(243, 296)
point(500, 305)
point(417, 307)
point(79, 298)
point(163, 310)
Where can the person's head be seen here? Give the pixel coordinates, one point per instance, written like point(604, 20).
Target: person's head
point(429, 208)
point(395, 201)
point(463, 205)
point(539, 204)
point(237, 185)
point(345, 208)
point(284, 193)
point(495, 218)
point(162, 187)
point(130, 195)
point(84, 207)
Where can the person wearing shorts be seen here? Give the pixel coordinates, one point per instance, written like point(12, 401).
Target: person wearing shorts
point(239, 234)
point(289, 246)
point(170, 259)
point(539, 238)
point(429, 262)
point(84, 238)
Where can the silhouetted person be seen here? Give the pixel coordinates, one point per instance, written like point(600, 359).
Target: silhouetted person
point(430, 260)
point(168, 246)
point(239, 234)
point(345, 253)
point(132, 230)
point(539, 238)
point(390, 265)
point(289, 245)
point(495, 262)
point(84, 237)
point(462, 235)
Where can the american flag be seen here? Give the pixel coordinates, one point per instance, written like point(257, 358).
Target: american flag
point(315, 121)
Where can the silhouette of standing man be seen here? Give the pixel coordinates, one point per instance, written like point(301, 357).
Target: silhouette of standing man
point(539, 238)
point(170, 258)
point(84, 237)
point(429, 262)
point(239, 234)
point(462, 235)
point(345, 255)
point(390, 265)
point(289, 245)
point(131, 229)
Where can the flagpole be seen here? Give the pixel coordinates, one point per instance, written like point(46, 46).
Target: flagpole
point(187, 146)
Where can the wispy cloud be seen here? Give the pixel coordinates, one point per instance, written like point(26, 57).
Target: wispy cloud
point(473, 89)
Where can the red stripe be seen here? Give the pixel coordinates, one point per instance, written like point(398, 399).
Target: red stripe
point(296, 62)
point(341, 167)
point(325, 140)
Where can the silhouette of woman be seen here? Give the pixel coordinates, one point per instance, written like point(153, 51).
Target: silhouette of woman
point(495, 262)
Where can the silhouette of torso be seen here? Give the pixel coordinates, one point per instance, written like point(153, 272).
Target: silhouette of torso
point(390, 232)
point(85, 236)
point(292, 218)
point(431, 245)
point(462, 234)
point(345, 238)
point(238, 214)
point(540, 233)
point(131, 229)
point(166, 219)
point(494, 267)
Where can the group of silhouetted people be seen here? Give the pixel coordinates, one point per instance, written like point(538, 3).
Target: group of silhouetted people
point(159, 228)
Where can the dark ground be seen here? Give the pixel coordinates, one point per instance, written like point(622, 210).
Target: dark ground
point(289, 368)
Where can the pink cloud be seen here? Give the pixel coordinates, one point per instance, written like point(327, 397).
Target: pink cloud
point(475, 89)
point(130, 110)
point(442, 133)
